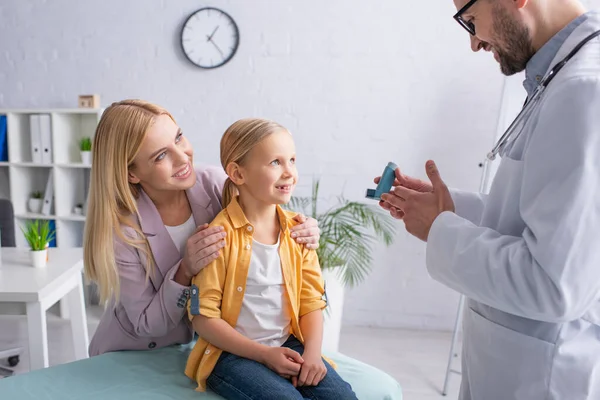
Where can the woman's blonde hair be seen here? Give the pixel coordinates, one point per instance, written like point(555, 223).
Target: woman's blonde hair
point(236, 143)
point(112, 198)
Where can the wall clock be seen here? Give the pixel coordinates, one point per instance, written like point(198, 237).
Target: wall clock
point(209, 38)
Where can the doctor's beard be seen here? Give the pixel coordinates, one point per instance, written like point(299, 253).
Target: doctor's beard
point(516, 48)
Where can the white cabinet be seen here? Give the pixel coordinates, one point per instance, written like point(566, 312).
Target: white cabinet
point(62, 166)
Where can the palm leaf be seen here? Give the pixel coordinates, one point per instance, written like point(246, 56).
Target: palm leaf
point(349, 231)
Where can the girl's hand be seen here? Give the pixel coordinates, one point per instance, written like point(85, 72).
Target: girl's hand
point(282, 360)
point(307, 232)
point(200, 250)
point(312, 372)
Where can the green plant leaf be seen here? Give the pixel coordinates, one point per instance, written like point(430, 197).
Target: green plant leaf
point(38, 234)
point(85, 144)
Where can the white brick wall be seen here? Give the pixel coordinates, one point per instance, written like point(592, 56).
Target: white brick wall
point(358, 83)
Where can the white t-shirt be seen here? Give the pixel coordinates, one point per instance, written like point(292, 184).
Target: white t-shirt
point(181, 233)
point(264, 316)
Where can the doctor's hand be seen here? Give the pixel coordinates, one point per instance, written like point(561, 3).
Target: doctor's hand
point(407, 182)
point(421, 208)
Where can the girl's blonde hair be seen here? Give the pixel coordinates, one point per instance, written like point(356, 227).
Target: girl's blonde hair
point(112, 198)
point(236, 143)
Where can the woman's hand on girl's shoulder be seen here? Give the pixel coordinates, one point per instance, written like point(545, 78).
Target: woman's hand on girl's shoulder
point(201, 249)
point(307, 231)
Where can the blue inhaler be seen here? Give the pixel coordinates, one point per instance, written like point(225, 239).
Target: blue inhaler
point(385, 184)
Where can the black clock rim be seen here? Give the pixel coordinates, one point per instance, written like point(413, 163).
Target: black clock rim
point(237, 43)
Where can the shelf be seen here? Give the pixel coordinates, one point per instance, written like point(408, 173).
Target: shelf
point(38, 165)
point(34, 216)
point(52, 110)
point(74, 165)
point(73, 217)
point(29, 164)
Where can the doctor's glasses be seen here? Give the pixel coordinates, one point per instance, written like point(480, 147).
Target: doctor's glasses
point(468, 25)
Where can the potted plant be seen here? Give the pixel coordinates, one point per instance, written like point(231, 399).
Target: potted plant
point(348, 232)
point(85, 147)
point(35, 202)
point(38, 236)
point(78, 209)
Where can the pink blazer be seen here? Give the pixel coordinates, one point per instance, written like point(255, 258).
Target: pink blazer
point(149, 313)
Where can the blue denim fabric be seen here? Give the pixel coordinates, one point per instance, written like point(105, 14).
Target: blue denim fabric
point(240, 378)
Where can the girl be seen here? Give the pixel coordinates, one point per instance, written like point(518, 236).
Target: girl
point(146, 234)
point(258, 306)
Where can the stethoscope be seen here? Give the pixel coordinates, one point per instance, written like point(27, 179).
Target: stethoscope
point(512, 132)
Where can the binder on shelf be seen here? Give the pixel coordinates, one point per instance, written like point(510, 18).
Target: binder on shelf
point(36, 138)
point(48, 195)
point(46, 138)
point(52, 227)
point(3, 139)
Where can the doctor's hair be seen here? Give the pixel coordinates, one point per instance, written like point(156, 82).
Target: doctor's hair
point(112, 198)
point(236, 143)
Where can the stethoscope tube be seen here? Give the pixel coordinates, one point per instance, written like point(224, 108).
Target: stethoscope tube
point(511, 132)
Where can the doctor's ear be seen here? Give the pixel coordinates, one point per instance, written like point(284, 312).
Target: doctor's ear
point(235, 173)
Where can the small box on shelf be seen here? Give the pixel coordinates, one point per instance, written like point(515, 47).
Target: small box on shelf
point(89, 101)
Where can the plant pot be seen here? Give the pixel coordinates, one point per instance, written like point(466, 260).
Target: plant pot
point(332, 315)
point(35, 205)
point(86, 157)
point(39, 258)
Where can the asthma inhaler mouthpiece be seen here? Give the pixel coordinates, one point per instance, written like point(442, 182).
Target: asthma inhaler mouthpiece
point(385, 184)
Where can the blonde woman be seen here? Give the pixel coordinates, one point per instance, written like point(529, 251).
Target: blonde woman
point(146, 232)
point(259, 305)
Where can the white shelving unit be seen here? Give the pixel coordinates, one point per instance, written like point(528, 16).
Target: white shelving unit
point(19, 177)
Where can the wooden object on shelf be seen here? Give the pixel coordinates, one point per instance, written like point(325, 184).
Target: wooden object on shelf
point(89, 101)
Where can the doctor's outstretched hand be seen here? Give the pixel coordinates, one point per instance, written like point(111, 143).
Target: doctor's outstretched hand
point(418, 203)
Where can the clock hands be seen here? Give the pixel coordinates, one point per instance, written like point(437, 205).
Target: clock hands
point(214, 44)
point(209, 38)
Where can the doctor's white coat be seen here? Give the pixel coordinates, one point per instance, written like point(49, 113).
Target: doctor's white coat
point(527, 256)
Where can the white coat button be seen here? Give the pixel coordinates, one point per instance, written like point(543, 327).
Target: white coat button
point(249, 228)
point(207, 352)
point(248, 247)
point(239, 289)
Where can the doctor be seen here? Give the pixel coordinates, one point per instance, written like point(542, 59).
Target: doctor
point(527, 256)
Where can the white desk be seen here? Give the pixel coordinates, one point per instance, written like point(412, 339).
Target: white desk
point(39, 289)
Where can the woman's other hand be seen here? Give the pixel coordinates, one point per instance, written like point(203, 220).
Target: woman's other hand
point(307, 232)
point(201, 249)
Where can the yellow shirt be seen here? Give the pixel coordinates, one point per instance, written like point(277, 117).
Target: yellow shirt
point(218, 290)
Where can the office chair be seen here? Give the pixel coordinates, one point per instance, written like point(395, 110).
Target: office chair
point(7, 234)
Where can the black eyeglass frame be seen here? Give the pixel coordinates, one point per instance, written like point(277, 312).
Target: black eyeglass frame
point(469, 26)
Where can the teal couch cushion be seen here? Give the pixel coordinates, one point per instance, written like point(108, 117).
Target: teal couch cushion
point(158, 374)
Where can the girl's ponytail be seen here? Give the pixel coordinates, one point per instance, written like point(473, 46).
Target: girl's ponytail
point(229, 192)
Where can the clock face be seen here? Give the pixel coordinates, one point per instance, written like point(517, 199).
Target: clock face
point(209, 38)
